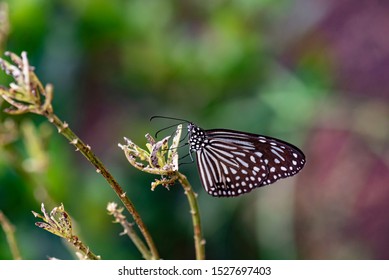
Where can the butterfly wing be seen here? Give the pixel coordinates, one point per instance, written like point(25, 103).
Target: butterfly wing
point(231, 163)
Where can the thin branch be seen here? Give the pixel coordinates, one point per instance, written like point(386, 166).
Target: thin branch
point(128, 229)
point(9, 231)
point(194, 210)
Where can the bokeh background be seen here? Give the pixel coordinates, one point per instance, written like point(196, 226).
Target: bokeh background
point(314, 73)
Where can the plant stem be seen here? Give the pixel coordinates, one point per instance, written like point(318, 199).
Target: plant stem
point(9, 231)
point(84, 249)
point(194, 210)
point(64, 129)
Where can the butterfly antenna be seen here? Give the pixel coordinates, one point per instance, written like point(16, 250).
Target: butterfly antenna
point(169, 118)
point(170, 126)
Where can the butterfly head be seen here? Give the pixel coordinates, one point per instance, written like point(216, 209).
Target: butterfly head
point(197, 137)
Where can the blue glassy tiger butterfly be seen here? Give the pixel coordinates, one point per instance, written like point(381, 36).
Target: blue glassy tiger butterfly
point(231, 163)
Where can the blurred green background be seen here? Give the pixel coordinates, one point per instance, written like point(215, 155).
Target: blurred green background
point(314, 73)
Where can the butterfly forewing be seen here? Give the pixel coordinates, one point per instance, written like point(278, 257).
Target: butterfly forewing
point(231, 163)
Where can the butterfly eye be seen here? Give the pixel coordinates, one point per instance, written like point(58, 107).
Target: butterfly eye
point(232, 163)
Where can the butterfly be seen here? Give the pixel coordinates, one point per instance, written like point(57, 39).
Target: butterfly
point(231, 163)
